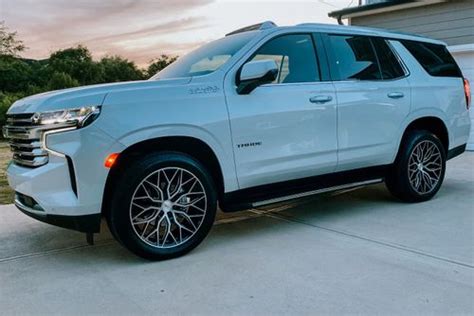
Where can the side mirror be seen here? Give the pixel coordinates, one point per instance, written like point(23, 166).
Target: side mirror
point(256, 73)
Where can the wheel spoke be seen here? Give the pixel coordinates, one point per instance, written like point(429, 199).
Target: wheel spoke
point(186, 216)
point(143, 212)
point(156, 229)
point(191, 205)
point(148, 194)
point(434, 171)
point(192, 202)
point(170, 182)
point(144, 229)
point(168, 230)
point(418, 180)
point(179, 185)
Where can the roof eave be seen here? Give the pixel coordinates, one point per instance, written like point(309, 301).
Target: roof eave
point(379, 8)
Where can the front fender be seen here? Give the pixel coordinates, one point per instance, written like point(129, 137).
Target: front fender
point(183, 130)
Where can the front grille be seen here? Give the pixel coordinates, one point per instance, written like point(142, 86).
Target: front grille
point(25, 140)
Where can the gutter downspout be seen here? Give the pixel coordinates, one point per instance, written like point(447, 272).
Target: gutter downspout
point(339, 20)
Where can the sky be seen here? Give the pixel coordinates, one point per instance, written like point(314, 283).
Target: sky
point(141, 30)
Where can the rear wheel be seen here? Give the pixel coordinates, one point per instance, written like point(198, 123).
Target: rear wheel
point(164, 206)
point(419, 169)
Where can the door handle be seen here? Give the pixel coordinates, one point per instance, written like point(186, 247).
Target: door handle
point(320, 99)
point(395, 95)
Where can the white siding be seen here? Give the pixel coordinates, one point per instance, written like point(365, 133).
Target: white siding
point(451, 22)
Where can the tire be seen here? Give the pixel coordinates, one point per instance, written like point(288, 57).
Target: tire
point(419, 168)
point(164, 206)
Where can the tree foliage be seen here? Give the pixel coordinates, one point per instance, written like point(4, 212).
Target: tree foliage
point(15, 74)
point(9, 44)
point(61, 80)
point(116, 68)
point(158, 64)
point(77, 63)
point(6, 99)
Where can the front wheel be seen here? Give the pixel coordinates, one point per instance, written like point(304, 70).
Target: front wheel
point(164, 206)
point(419, 169)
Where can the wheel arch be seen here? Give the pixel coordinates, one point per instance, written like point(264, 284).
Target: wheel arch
point(194, 147)
point(432, 124)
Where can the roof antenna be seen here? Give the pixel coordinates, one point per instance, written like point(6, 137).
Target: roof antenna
point(260, 26)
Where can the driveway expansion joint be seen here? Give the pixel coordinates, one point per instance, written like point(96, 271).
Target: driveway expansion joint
point(367, 239)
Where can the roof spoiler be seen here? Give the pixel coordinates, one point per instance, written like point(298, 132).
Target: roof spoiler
point(261, 26)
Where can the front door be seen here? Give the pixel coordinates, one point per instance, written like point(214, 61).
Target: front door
point(287, 129)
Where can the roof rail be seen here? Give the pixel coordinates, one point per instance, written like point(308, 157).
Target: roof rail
point(314, 24)
point(261, 26)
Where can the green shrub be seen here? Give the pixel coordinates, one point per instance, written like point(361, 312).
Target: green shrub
point(61, 80)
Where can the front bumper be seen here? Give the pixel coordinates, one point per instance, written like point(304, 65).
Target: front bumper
point(68, 190)
point(83, 223)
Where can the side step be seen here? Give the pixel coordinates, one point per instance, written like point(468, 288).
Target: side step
point(313, 192)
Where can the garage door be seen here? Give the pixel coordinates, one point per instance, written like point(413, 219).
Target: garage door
point(464, 55)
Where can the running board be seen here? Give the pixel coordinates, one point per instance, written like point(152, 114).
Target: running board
point(303, 194)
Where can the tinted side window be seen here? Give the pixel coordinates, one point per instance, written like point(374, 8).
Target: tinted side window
point(295, 57)
point(389, 63)
point(435, 59)
point(354, 57)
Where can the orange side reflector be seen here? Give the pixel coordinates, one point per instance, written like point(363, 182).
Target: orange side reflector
point(109, 162)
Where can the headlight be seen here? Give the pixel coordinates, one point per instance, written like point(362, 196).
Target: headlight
point(78, 117)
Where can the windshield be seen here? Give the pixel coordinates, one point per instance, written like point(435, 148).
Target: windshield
point(207, 58)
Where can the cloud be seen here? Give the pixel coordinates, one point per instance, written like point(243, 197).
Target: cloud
point(143, 29)
point(137, 29)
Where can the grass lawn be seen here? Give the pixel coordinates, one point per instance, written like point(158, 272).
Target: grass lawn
point(6, 194)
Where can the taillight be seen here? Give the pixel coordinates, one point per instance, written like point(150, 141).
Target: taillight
point(467, 92)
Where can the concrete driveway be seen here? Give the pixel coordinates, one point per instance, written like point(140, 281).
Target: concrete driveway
point(356, 252)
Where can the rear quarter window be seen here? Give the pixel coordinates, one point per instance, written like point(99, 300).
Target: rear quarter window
point(434, 58)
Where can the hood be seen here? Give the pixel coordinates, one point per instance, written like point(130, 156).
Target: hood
point(83, 96)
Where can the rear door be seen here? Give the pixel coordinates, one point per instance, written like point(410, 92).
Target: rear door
point(373, 99)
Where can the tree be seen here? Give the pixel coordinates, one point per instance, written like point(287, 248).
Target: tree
point(9, 44)
point(15, 74)
point(159, 64)
point(61, 80)
point(116, 68)
point(77, 63)
point(6, 100)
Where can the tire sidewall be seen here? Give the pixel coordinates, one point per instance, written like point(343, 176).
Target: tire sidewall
point(128, 182)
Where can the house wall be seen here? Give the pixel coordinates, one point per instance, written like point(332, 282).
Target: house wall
point(451, 22)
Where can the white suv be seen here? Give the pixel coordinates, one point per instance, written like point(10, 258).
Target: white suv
point(264, 115)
